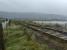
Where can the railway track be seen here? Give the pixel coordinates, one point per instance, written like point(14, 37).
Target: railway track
point(49, 31)
point(48, 28)
point(55, 37)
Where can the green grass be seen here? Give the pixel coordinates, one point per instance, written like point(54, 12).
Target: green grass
point(18, 39)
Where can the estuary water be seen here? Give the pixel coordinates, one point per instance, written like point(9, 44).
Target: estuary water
point(51, 22)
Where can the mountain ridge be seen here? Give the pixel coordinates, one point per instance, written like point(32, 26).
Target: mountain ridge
point(32, 16)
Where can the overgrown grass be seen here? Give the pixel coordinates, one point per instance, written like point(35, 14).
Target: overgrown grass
point(17, 39)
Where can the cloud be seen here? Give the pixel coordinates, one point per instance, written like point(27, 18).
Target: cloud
point(42, 6)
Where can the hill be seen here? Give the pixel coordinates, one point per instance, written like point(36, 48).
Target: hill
point(33, 16)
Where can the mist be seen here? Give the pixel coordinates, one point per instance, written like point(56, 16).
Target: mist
point(40, 6)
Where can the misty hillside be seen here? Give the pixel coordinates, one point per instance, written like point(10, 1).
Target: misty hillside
point(33, 16)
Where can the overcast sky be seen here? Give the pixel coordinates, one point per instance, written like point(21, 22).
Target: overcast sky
point(40, 6)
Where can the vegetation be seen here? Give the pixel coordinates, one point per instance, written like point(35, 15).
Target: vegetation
point(18, 38)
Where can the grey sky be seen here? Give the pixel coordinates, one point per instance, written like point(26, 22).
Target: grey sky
point(41, 6)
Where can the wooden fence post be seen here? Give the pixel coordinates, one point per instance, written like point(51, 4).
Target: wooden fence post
point(2, 46)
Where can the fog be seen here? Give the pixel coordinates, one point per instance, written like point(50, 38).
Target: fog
point(39, 6)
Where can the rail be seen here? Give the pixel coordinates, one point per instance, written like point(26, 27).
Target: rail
point(65, 33)
point(40, 30)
